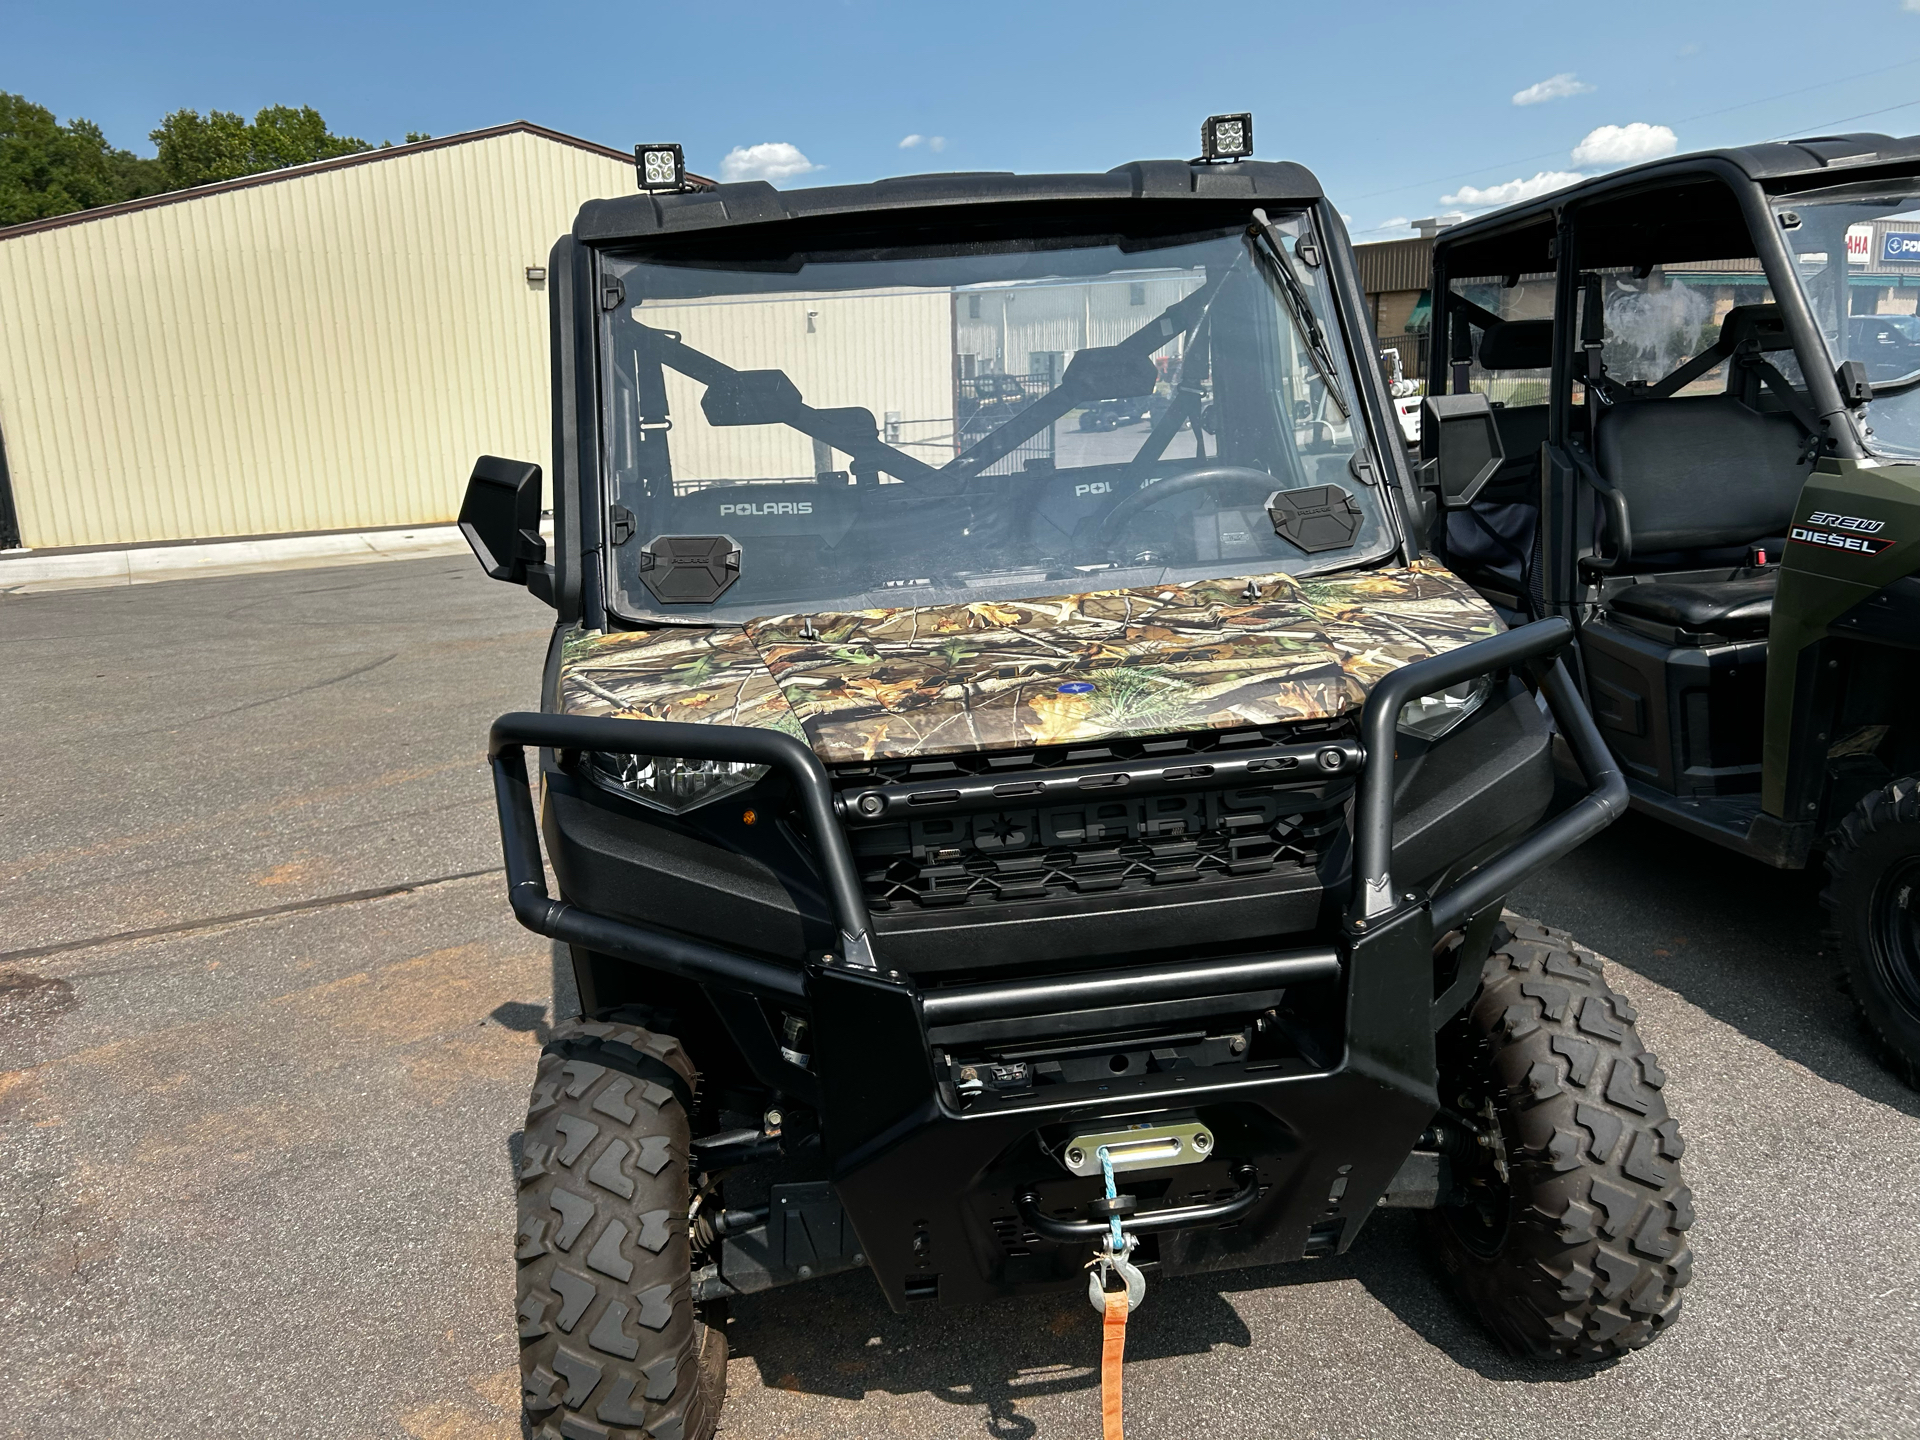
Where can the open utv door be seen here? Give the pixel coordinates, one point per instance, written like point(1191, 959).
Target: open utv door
point(1705, 379)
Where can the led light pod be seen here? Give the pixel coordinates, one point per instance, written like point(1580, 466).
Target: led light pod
point(660, 167)
point(1226, 137)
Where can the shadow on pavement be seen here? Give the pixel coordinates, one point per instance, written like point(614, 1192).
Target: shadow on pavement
point(1390, 1261)
point(837, 1337)
point(1737, 938)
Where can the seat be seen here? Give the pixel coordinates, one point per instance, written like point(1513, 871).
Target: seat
point(1735, 608)
point(1701, 471)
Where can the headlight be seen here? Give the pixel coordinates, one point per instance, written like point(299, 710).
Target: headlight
point(1432, 716)
point(671, 784)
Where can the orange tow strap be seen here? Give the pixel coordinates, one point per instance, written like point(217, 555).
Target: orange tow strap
point(1113, 1354)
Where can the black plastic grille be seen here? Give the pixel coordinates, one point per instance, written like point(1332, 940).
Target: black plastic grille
point(1091, 844)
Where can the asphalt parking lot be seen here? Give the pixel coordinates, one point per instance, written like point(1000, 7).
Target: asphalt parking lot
point(266, 1028)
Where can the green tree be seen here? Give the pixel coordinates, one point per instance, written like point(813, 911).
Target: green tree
point(48, 169)
point(199, 150)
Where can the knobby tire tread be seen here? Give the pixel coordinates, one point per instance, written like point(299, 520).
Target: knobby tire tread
point(1594, 1254)
point(1882, 828)
point(610, 1345)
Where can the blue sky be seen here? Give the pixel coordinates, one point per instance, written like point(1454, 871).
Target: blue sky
point(1403, 110)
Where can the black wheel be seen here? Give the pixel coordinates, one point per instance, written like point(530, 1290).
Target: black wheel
point(1873, 911)
point(1567, 1235)
point(610, 1344)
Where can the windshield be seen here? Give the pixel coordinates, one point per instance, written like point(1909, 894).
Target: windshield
point(1857, 251)
point(993, 421)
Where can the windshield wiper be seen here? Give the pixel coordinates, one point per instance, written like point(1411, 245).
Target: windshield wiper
point(1301, 309)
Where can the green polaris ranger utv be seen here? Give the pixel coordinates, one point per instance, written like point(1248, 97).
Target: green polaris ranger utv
point(1689, 396)
point(988, 846)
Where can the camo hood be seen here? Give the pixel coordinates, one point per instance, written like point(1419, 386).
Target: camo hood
point(888, 684)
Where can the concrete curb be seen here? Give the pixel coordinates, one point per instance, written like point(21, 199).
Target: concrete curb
point(30, 574)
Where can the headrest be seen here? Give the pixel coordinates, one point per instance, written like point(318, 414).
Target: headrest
point(1755, 322)
point(1517, 345)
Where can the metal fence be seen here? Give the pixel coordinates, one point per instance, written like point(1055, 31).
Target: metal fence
point(986, 402)
point(1413, 349)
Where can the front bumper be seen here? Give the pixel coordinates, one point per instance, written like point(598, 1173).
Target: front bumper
point(957, 1198)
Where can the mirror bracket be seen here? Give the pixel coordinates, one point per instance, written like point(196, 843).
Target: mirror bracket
point(500, 518)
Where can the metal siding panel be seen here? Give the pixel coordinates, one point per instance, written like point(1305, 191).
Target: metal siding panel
point(326, 352)
point(887, 351)
point(1388, 265)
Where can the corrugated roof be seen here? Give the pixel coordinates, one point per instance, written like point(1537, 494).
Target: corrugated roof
point(295, 172)
point(1388, 265)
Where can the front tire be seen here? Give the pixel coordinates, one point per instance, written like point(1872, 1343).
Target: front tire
point(1569, 1240)
point(1873, 913)
point(610, 1344)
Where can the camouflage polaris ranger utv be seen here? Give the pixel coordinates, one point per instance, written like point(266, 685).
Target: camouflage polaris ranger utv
point(949, 801)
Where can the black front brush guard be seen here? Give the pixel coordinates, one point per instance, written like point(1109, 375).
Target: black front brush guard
point(1535, 647)
point(677, 955)
point(1374, 898)
point(1144, 1222)
point(901, 1136)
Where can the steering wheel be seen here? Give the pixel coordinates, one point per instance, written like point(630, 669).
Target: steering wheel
point(1204, 478)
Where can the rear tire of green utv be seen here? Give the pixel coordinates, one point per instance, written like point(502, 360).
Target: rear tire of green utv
point(610, 1341)
point(1872, 900)
point(1579, 1252)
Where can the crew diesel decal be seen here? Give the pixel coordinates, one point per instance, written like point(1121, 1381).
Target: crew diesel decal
point(1834, 531)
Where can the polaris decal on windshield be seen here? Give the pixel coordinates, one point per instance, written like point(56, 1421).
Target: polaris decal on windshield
point(1841, 532)
point(770, 507)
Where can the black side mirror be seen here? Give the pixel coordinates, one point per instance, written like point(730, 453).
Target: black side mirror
point(1466, 446)
point(501, 519)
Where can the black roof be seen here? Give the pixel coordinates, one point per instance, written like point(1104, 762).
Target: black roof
point(1784, 166)
point(754, 202)
point(1513, 240)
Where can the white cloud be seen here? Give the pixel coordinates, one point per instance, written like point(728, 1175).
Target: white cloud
point(775, 161)
point(911, 141)
point(938, 142)
point(1913, 5)
point(1511, 191)
point(1625, 144)
point(932, 142)
point(1559, 87)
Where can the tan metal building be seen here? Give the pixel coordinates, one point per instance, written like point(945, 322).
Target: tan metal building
point(326, 347)
point(889, 351)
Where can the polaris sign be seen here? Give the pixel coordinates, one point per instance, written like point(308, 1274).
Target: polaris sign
point(1900, 245)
